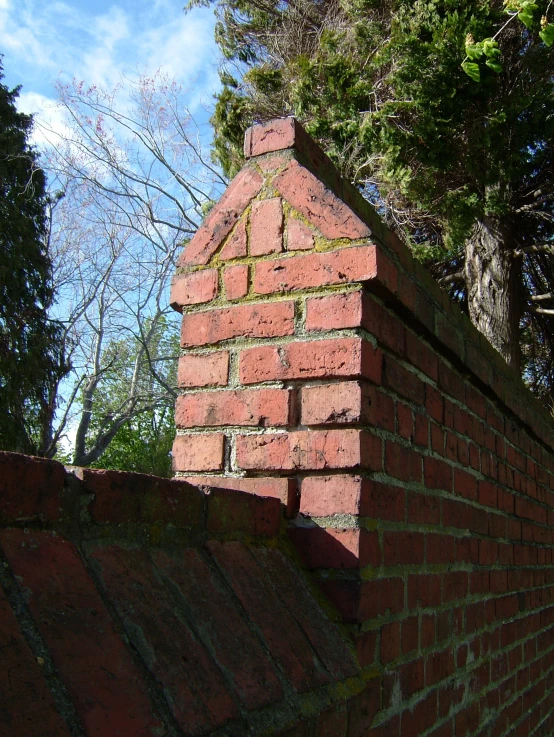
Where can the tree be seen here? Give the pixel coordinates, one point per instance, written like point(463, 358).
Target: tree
point(131, 183)
point(442, 112)
point(32, 360)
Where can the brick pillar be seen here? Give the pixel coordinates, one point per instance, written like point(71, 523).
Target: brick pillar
point(280, 374)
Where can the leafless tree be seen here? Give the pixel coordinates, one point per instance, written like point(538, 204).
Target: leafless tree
point(129, 183)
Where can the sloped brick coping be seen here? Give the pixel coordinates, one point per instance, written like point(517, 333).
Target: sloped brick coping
point(137, 606)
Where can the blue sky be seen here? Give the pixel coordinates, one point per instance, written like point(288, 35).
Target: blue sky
point(101, 41)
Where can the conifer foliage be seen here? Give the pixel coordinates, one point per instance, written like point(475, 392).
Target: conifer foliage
point(31, 364)
point(442, 112)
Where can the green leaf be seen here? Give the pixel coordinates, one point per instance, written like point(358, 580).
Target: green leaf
point(494, 65)
point(547, 34)
point(474, 51)
point(526, 17)
point(490, 48)
point(472, 70)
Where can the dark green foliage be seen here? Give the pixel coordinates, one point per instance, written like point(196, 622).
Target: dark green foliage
point(31, 363)
point(441, 113)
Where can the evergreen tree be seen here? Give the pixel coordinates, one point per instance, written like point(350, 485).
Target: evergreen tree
point(31, 363)
point(442, 112)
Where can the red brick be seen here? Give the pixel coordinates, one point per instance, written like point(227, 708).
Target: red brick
point(299, 236)
point(342, 357)
point(382, 501)
point(424, 591)
point(245, 321)
point(402, 381)
point(421, 718)
point(335, 311)
point(193, 289)
point(266, 227)
point(465, 484)
point(383, 324)
point(336, 548)
point(455, 586)
point(274, 135)
point(438, 474)
point(279, 488)
point(267, 612)
point(434, 404)
point(440, 549)
point(421, 435)
point(304, 271)
point(30, 488)
point(421, 355)
point(403, 548)
point(235, 281)
point(236, 245)
point(401, 462)
point(405, 421)
point(332, 722)
point(324, 496)
point(209, 369)
point(410, 633)
point(26, 704)
point(319, 205)
point(424, 509)
point(331, 404)
point(324, 637)
point(221, 219)
point(119, 497)
point(255, 407)
point(103, 682)
point(363, 708)
point(380, 597)
point(197, 693)
point(411, 677)
point(213, 607)
point(198, 452)
point(317, 450)
point(390, 642)
point(232, 511)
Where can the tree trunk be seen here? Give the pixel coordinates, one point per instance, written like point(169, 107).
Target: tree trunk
point(493, 280)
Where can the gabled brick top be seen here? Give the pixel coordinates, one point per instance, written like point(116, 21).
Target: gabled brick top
point(132, 606)
point(289, 222)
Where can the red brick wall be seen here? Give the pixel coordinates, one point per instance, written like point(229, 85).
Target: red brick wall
point(343, 381)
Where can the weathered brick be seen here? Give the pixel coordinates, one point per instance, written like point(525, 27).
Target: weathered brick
point(304, 271)
point(437, 473)
point(341, 357)
point(235, 281)
point(30, 488)
point(403, 548)
point(231, 511)
point(335, 311)
point(105, 685)
point(275, 135)
point(213, 608)
point(402, 381)
point(331, 404)
point(284, 489)
point(362, 709)
point(245, 321)
point(267, 612)
point(336, 548)
point(266, 227)
point(198, 695)
point(319, 205)
point(383, 324)
point(221, 219)
point(324, 496)
point(317, 450)
point(209, 369)
point(256, 407)
point(198, 452)
point(193, 289)
point(299, 236)
point(401, 462)
point(26, 703)
point(236, 245)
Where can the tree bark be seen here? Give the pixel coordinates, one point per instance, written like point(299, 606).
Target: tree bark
point(493, 280)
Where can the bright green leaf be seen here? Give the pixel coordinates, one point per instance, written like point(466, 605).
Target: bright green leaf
point(472, 70)
point(547, 34)
point(494, 65)
point(474, 51)
point(526, 17)
point(490, 48)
